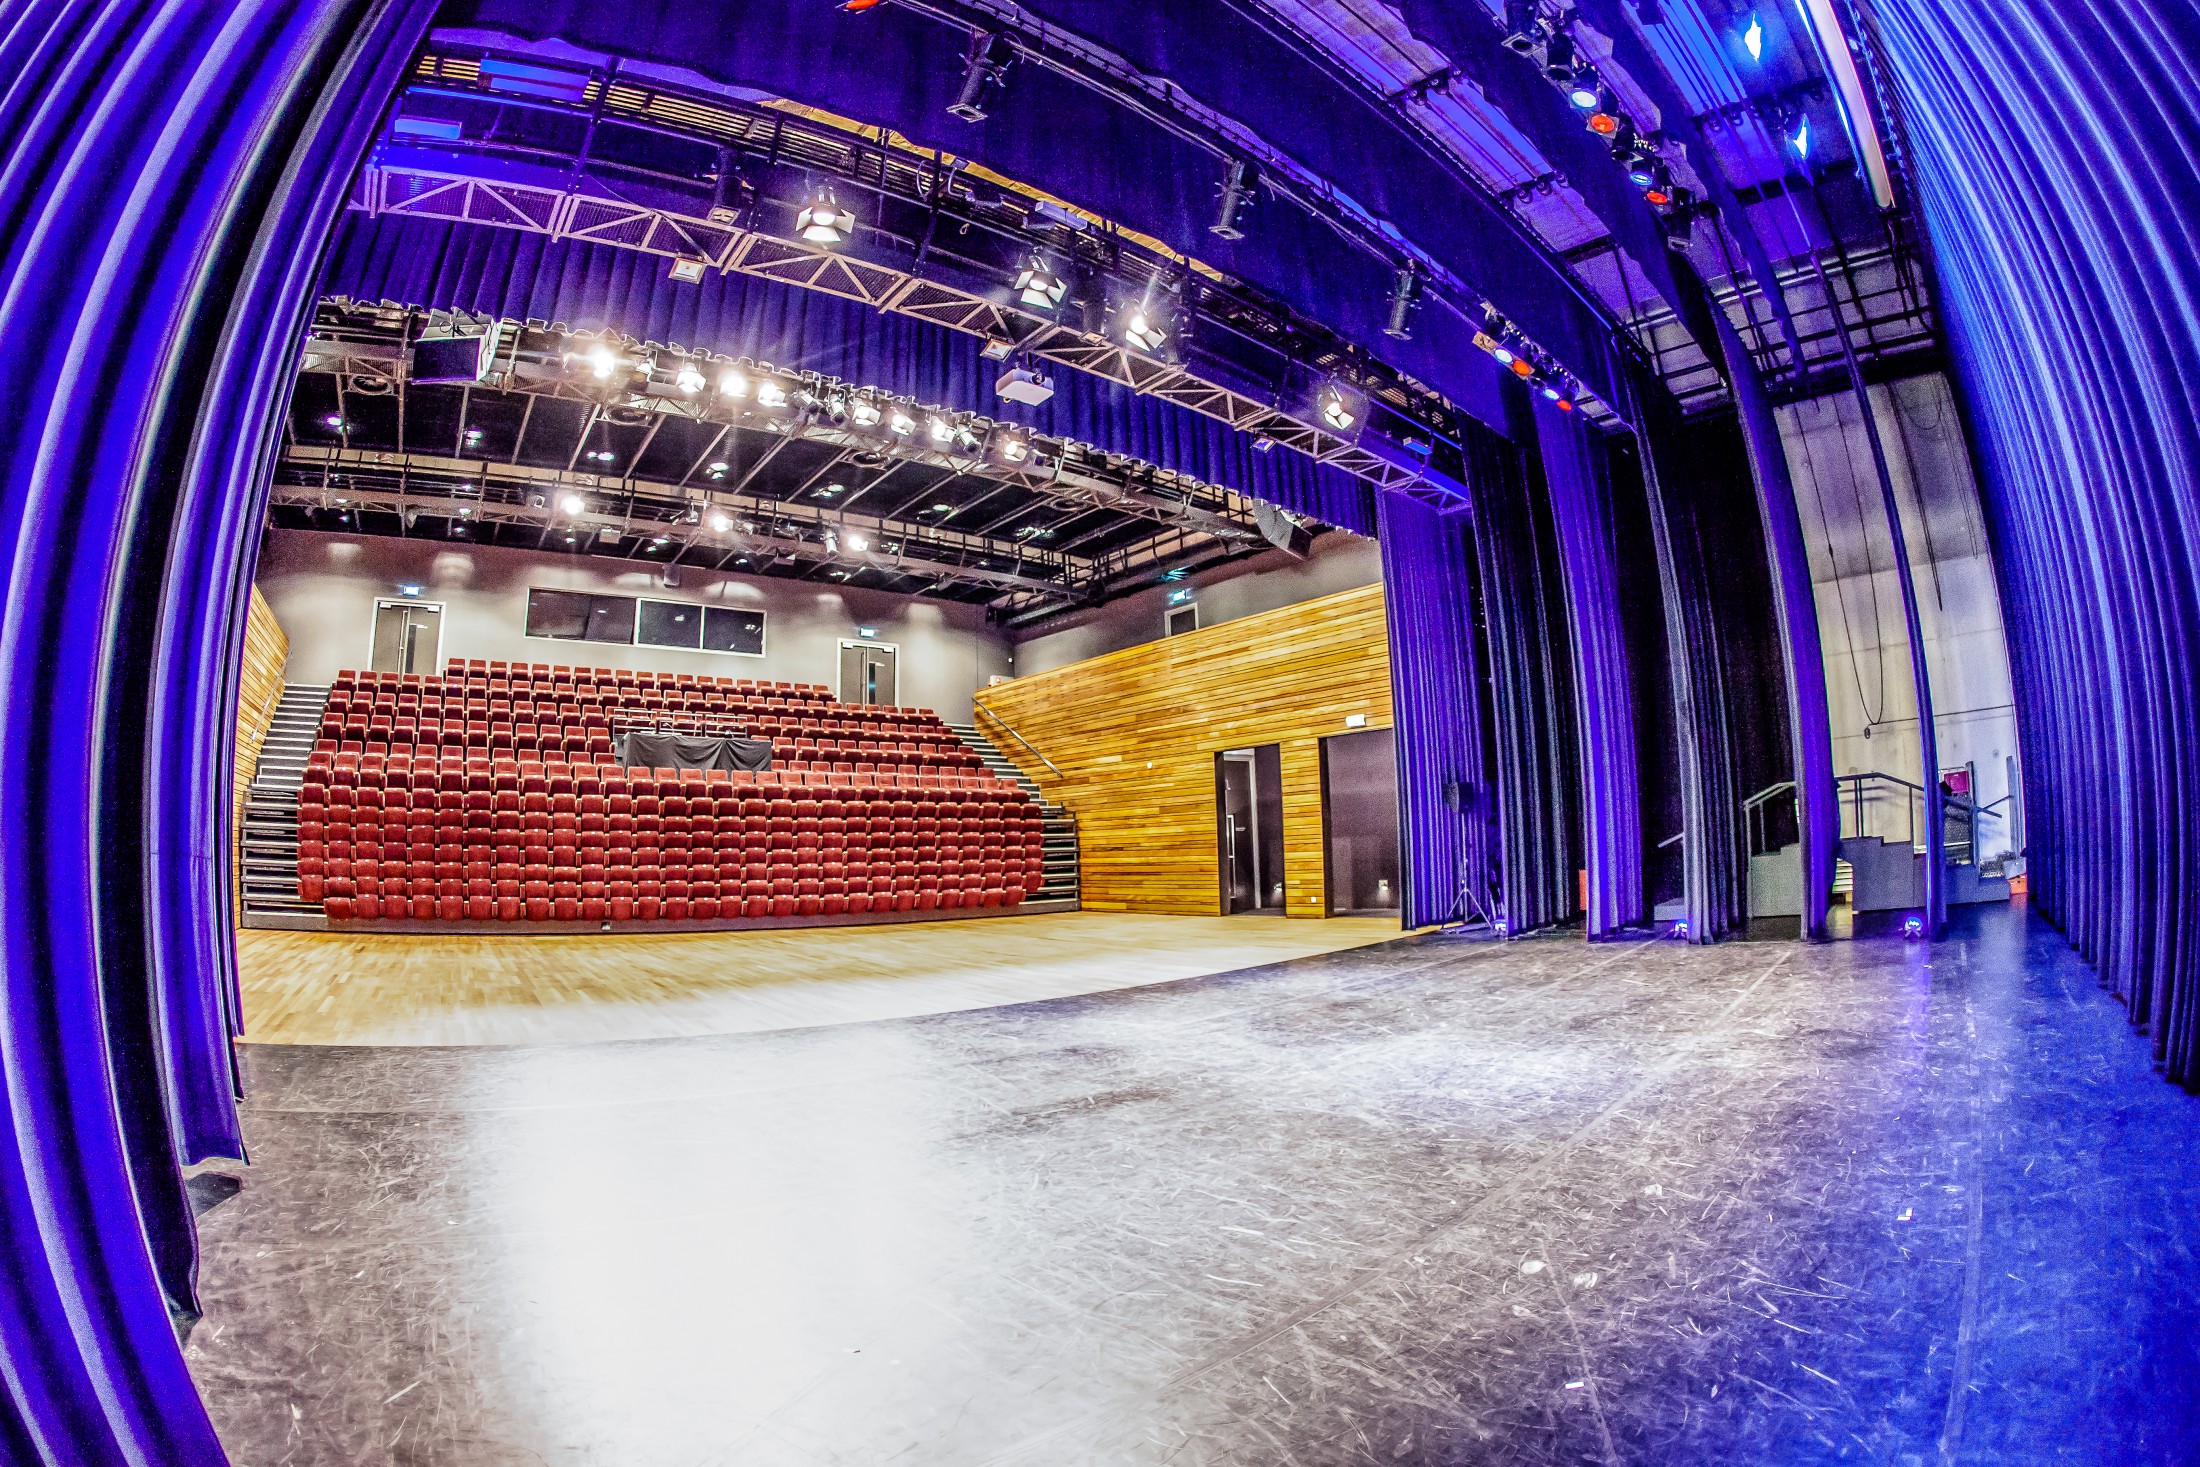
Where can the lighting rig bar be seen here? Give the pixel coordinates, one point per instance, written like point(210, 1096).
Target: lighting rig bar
point(452, 183)
point(634, 383)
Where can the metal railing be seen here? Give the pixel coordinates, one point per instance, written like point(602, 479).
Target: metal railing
point(1019, 738)
point(1865, 802)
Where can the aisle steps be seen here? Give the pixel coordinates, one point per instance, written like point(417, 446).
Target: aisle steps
point(270, 839)
point(1060, 888)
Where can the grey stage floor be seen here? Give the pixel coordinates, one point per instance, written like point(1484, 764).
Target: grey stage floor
point(1435, 1202)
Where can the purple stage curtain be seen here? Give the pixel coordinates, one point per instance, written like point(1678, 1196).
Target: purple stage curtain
point(1532, 710)
point(172, 170)
point(1447, 800)
point(2054, 170)
point(583, 285)
point(1604, 699)
point(1713, 855)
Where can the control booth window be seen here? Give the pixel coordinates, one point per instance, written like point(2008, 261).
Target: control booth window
point(577, 616)
point(694, 628)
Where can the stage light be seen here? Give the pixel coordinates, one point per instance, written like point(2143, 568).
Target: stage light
point(465, 511)
point(733, 383)
point(1558, 57)
point(864, 412)
point(1504, 355)
point(1565, 404)
point(1680, 216)
point(1037, 286)
point(1800, 138)
point(899, 421)
point(822, 220)
point(1336, 412)
point(716, 471)
point(1523, 32)
point(770, 394)
point(1604, 118)
point(1659, 190)
point(943, 509)
point(1551, 392)
point(1753, 39)
point(720, 523)
point(730, 193)
point(1642, 168)
point(940, 429)
point(857, 542)
point(689, 378)
point(1623, 140)
point(601, 361)
point(1239, 188)
point(334, 420)
point(1913, 927)
point(572, 504)
point(989, 59)
point(1405, 293)
point(1140, 331)
point(473, 435)
point(1582, 89)
point(1522, 367)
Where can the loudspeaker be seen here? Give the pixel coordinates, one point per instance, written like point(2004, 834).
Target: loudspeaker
point(1281, 530)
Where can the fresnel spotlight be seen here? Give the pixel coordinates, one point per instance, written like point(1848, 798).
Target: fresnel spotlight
point(1335, 410)
point(822, 220)
point(1040, 287)
point(1523, 30)
point(988, 64)
point(1239, 187)
point(1405, 294)
point(1141, 330)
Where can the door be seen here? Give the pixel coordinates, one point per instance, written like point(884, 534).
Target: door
point(1234, 807)
point(867, 673)
point(1249, 828)
point(1360, 822)
point(408, 637)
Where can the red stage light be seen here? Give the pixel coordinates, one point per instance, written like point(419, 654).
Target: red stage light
point(1659, 197)
point(1522, 367)
point(861, 4)
point(1565, 404)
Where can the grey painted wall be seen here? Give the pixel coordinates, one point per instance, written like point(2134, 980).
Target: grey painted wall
point(1339, 562)
point(323, 588)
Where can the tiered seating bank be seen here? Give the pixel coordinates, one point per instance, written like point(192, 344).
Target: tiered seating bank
point(490, 795)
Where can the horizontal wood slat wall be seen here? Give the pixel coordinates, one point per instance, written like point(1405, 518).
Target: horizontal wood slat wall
point(1147, 834)
point(259, 689)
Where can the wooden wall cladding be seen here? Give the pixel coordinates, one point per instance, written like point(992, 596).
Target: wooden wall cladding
point(259, 689)
point(1135, 734)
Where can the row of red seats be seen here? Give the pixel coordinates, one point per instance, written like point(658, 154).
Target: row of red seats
point(476, 839)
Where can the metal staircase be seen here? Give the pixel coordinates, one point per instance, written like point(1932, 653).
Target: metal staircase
point(1059, 889)
point(269, 849)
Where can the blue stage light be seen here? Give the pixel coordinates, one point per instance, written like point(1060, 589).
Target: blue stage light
point(1582, 91)
point(1754, 38)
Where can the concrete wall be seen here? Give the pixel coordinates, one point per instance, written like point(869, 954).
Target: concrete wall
point(1860, 618)
point(323, 587)
point(1339, 562)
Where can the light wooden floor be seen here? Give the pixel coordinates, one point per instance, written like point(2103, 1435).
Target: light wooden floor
point(397, 989)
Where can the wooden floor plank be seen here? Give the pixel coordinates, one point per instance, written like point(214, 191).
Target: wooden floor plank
point(403, 989)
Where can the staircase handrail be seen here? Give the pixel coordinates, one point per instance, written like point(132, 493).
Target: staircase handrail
point(1019, 738)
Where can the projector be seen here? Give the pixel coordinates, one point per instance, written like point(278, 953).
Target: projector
point(1021, 384)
